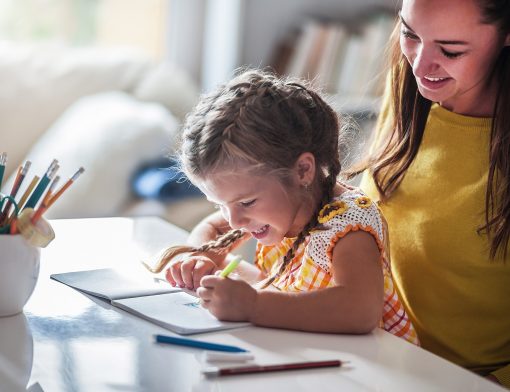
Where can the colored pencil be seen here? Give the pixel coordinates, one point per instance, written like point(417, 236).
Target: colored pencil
point(165, 339)
point(24, 198)
point(22, 171)
point(270, 368)
point(230, 267)
point(43, 184)
point(28, 191)
point(3, 162)
point(44, 204)
point(68, 183)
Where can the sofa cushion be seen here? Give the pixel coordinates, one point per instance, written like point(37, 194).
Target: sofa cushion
point(109, 134)
point(39, 83)
point(170, 85)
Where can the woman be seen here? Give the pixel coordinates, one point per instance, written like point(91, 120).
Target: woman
point(440, 166)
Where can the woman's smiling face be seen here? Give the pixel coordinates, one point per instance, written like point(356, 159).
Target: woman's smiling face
point(451, 52)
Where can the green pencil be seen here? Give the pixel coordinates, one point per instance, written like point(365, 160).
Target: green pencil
point(230, 267)
point(43, 184)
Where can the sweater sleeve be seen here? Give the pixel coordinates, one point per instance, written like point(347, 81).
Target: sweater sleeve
point(503, 375)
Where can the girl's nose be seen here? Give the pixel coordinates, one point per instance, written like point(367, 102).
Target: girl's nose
point(236, 218)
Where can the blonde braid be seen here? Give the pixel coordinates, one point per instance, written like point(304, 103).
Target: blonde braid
point(327, 195)
point(328, 185)
point(222, 242)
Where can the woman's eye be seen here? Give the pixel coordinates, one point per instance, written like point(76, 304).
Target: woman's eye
point(451, 55)
point(248, 203)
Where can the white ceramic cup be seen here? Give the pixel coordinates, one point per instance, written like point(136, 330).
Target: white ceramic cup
point(19, 270)
point(16, 353)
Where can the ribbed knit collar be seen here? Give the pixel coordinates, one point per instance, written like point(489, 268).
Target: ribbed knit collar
point(460, 120)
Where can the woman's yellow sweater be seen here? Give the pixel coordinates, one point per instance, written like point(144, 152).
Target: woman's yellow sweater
point(457, 298)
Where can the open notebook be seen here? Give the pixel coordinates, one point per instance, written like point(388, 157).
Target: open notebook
point(159, 303)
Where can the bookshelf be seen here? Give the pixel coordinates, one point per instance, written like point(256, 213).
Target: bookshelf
point(345, 61)
point(213, 38)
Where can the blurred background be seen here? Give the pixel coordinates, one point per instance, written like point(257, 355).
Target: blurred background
point(106, 84)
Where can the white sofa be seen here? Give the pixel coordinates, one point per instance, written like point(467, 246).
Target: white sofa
point(106, 110)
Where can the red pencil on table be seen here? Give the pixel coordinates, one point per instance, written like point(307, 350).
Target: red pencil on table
point(270, 368)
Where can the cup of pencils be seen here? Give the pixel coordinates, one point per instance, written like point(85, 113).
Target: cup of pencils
point(24, 231)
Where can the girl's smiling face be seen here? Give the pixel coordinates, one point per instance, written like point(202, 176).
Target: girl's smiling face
point(261, 205)
point(451, 52)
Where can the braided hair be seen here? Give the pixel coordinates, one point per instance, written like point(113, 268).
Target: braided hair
point(222, 242)
point(264, 122)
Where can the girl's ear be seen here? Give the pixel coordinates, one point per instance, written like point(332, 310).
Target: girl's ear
point(507, 40)
point(305, 169)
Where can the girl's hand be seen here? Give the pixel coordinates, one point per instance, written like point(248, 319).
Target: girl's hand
point(187, 273)
point(227, 299)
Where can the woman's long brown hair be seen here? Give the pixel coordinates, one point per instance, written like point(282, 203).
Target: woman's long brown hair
point(409, 111)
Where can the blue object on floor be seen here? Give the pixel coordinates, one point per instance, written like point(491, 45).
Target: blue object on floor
point(162, 180)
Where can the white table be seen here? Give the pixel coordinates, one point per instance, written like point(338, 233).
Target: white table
point(67, 341)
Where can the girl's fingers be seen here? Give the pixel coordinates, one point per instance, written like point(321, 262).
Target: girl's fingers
point(205, 296)
point(202, 268)
point(209, 281)
point(187, 271)
point(175, 270)
point(169, 277)
point(197, 276)
point(205, 304)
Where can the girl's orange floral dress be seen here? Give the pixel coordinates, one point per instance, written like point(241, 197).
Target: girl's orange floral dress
point(310, 268)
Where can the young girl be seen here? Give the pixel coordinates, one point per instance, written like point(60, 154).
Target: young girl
point(441, 168)
point(265, 151)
